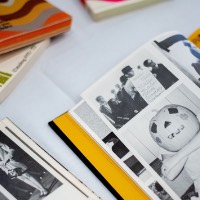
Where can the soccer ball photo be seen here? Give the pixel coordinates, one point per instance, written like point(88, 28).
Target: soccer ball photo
point(173, 127)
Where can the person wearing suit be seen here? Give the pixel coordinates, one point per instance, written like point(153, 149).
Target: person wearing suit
point(161, 73)
point(17, 170)
point(105, 109)
point(112, 111)
point(138, 103)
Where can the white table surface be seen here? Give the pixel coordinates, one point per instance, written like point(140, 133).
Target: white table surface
point(76, 59)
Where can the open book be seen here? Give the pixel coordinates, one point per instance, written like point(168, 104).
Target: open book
point(29, 173)
point(139, 125)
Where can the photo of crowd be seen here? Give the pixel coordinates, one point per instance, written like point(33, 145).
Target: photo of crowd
point(122, 152)
point(126, 100)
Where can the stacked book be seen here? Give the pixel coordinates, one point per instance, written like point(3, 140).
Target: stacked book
point(28, 24)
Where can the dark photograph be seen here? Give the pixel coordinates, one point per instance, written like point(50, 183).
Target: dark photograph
point(159, 191)
point(21, 175)
point(123, 153)
point(183, 53)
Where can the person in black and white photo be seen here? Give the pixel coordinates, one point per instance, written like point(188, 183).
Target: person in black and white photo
point(161, 73)
point(183, 53)
point(131, 85)
point(115, 96)
point(196, 53)
point(167, 138)
point(17, 170)
point(21, 175)
point(159, 191)
point(112, 111)
point(119, 91)
point(138, 101)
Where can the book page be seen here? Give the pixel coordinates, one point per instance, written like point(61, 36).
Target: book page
point(125, 158)
point(24, 163)
point(183, 53)
point(161, 132)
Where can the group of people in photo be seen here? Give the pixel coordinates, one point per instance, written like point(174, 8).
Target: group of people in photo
point(126, 101)
point(18, 170)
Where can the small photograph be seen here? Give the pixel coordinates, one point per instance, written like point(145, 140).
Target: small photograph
point(184, 54)
point(124, 153)
point(22, 176)
point(123, 93)
point(168, 139)
point(159, 191)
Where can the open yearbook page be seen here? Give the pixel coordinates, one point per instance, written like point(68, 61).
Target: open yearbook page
point(144, 113)
point(29, 173)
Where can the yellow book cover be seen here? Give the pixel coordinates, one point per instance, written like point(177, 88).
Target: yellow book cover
point(96, 159)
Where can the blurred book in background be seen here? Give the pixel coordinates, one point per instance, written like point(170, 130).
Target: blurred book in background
point(15, 64)
point(100, 9)
point(25, 22)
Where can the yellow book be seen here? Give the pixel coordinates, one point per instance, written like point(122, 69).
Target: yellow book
point(95, 157)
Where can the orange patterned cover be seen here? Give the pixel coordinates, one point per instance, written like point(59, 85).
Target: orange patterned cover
point(24, 22)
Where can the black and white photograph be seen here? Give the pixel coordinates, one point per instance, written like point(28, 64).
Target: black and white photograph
point(183, 53)
point(124, 92)
point(22, 176)
point(168, 139)
point(159, 191)
point(116, 145)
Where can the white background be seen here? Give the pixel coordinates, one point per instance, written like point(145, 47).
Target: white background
point(76, 59)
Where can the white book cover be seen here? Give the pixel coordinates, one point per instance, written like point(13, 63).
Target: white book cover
point(15, 64)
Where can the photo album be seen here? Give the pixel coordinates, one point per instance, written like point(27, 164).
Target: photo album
point(138, 127)
point(29, 173)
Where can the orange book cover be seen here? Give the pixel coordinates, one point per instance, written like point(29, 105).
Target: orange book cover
point(27, 21)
